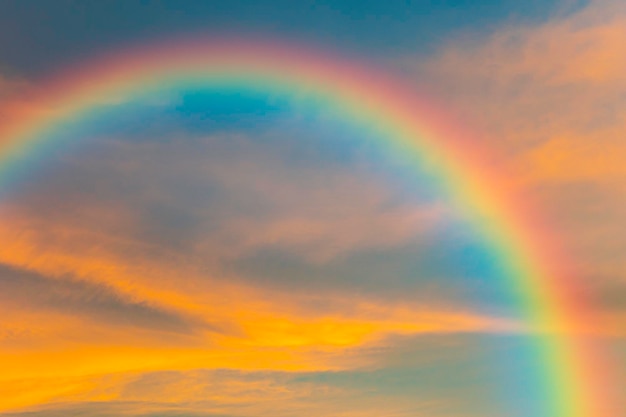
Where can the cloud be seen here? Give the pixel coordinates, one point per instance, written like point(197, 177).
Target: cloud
point(556, 88)
point(96, 302)
point(408, 389)
point(144, 244)
point(103, 311)
point(550, 97)
point(221, 199)
point(408, 375)
point(66, 370)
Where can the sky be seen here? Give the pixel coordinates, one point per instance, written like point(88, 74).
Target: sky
point(234, 253)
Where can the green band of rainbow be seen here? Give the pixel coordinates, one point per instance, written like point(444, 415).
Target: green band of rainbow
point(569, 365)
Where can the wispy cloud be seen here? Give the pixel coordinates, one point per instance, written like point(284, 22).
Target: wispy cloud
point(100, 303)
point(229, 392)
point(114, 245)
point(554, 89)
point(551, 96)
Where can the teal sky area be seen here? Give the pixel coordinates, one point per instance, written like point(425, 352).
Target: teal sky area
point(38, 34)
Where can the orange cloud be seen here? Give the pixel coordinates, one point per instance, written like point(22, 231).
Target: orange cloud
point(576, 156)
point(551, 98)
point(69, 326)
point(66, 332)
point(527, 85)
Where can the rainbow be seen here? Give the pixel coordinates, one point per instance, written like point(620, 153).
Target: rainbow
point(574, 377)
